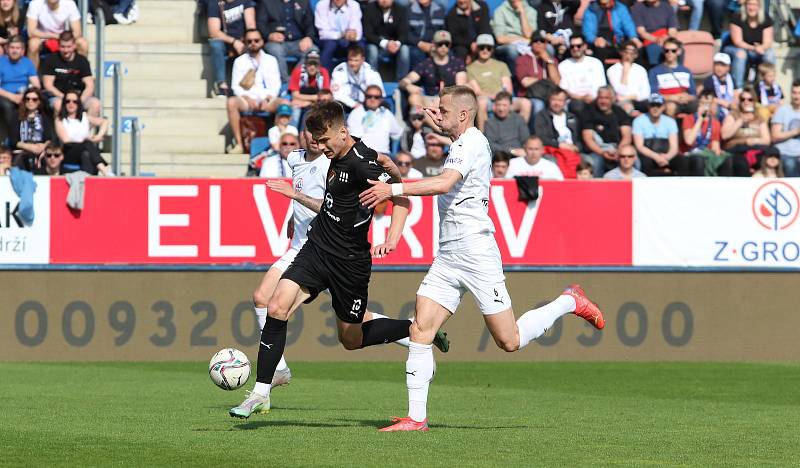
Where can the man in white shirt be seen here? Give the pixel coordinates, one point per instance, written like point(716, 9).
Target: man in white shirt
point(629, 79)
point(349, 80)
point(374, 123)
point(468, 259)
point(255, 91)
point(533, 164)
point(581, 75)
point(46, 20)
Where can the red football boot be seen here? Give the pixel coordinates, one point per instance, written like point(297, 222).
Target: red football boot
point(585, 308)
point(406, 424)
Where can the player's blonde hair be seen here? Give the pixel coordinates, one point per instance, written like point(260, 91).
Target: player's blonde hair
point(463, 96)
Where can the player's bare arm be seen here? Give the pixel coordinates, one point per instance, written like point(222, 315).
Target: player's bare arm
point(399, 215)
point(390, 167)
point(286, 189)
point(438, 185)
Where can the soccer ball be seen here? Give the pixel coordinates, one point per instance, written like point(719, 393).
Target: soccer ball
point(229, 369)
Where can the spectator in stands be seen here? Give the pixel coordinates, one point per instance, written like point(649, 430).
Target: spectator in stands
point(256, 85)
point(404, 162)
point(769, 92)
point(625, 170)
point(465, 21)
point(386, 33)
point(581, 75)
point(282, 125)
point(339, 26)
point(67, 70)
point(606, 25)
point(16, 74)
point(721, 82)
point(431, 164)
point(123, 11)
point(717, 11)
point(487, 77)
point(80, 134)
point(702, 136)
point(751, 40)
point(6, 160)
point(374, 123)
point(288, 26)
point(674, 81)
point(533, 164)
point(275, 164)
point(555, 18)
point(441, 69)
point(10, 21)
point(770, 167)
point(537, 73)
point(500, 162)
point(745, 133)
point(33, 131)
point(604, 128)
point(555, 126)
point(226, 28)
point(513, 25)
point(656, 139)
point(506, 130)
point(584, 171)
point(655, 21)
point(307, 79)
point(47, 20)
point(349, 80)
point(629, 79)
point(52, 162)
point(413, 141)
point(425, 17)
point(786, 132)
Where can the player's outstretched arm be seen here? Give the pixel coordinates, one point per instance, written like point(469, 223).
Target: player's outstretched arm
point(399, 215)
point(438, 185)
point(390, 167)
point(286, 189)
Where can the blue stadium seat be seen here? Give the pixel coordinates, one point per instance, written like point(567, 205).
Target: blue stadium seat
point(389, 87)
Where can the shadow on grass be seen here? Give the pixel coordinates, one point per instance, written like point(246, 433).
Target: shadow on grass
point(263, 424)
point(380, 423)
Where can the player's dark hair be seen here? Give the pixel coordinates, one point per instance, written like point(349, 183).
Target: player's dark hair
point(325, 116)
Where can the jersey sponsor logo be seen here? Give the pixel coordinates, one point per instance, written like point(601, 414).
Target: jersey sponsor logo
point(298, 184)
point(344, 177)
point(373, 163)
point(452, 160)
point(497, 297)
point(328, 201)
point(384, 177)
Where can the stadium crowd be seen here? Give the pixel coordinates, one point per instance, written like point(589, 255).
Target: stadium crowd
point(566, 88)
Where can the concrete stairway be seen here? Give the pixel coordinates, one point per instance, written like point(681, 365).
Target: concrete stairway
point(166, 88)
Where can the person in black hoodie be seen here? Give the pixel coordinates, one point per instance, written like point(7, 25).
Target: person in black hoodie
point(465, 21)
point(286, 35)
point(386, 32)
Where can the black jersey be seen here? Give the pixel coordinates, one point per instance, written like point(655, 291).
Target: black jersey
point(340, 229)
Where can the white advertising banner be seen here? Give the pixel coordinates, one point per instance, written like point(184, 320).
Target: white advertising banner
point(20, 243)
point(716, 222)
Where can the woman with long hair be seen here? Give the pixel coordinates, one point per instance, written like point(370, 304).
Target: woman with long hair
point(33, 132)
point(771, 167)
point(744, 133)
point(80, 133)
point(10, 20)
point(751, 40)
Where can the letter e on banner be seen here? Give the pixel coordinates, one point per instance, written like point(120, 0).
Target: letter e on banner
point(156, 220)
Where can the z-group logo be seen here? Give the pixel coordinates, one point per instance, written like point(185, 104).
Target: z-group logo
point(775, 205)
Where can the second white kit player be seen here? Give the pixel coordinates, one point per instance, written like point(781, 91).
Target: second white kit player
point(468, 258)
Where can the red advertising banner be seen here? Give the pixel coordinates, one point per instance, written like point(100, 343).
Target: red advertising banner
point(210, 221)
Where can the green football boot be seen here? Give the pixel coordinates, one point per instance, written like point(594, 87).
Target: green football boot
point(253, 404)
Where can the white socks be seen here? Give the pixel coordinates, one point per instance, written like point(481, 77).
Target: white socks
point(419, 373)
point(534, 323)
point(262, 388)
point(404, 342)
point(261, 315)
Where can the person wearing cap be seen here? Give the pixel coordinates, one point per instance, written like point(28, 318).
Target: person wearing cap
point(375, 124)
point(350, 79)
point(674, 81)
point(655, 137)
point(428, 77)
point(386, 33)
point(305, 82)
point(487, 77)
point(288, 26)
point(581, 75)
point(629, 79)
point(282, 117)
point(465, 21)
point(721, 82)
point(425, 17)
point(338, 23)
point(513, 25)
point(533, 67)
point(606, 24)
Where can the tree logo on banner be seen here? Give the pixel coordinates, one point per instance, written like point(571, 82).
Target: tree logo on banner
point(776, 205)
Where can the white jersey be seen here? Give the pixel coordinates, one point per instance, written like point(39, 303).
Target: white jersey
point(464, 210)
point(308, 177)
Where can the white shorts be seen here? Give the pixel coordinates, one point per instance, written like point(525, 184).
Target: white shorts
point(283, 263)
point(470, 264)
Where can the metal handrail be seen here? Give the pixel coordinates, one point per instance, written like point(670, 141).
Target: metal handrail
point(83, 6)
point(136, 129)
point(99, 52)
point(116, 144)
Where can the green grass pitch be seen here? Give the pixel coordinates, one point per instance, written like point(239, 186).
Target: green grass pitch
point(481, 414)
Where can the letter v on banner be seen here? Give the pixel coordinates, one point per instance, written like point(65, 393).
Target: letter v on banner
point(517, 241)
point(276, 237)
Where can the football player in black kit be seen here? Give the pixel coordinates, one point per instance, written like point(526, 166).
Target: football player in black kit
point(337, 255)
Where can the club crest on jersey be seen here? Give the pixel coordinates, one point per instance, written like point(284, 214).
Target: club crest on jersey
point(384, 177)
point(298, 184)
point(313, 170)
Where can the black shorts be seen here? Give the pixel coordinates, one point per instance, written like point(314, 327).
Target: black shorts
point(346, 279)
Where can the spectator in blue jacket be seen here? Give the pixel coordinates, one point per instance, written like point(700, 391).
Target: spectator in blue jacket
point(604, 35)
point(425, 17)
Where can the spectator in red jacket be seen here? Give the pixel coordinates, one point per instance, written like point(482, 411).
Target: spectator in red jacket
point(307, 79)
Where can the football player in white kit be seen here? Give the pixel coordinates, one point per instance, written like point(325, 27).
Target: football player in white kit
point(468, 258)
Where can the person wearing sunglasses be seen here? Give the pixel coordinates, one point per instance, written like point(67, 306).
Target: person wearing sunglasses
point(52, 160)
point(413, 140)
point(373, 123)
point(487, 77)
point(674, 81)
point(743, 132)
point(466, 21)
point(537, 73)
point(33, 130)
point(655, 137)
point(225, 30)
point(581, 75)
point(655, 21)
point(80, 134)
point(626, 169)
point(256, 82)
point(405, 163)
point(68, 70)
point(275, 163)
